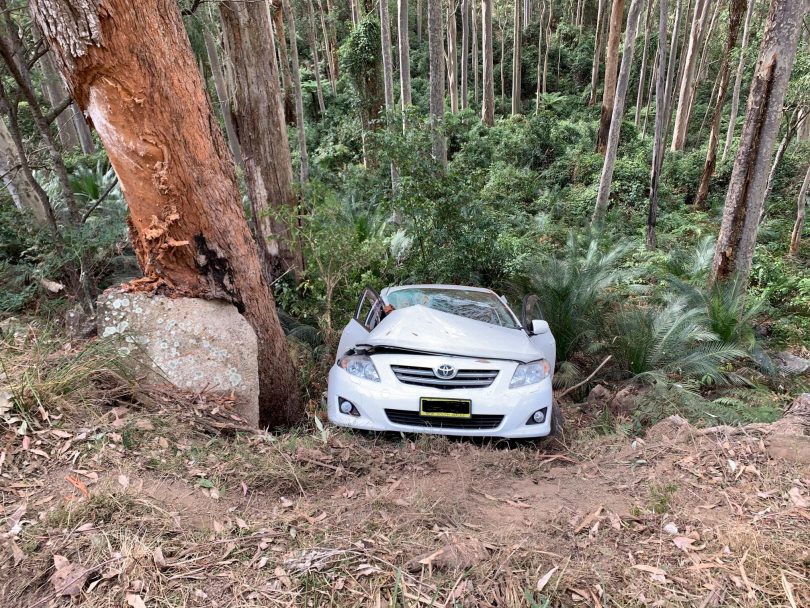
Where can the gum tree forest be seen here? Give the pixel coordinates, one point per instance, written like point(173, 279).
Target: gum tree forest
point(642, 166)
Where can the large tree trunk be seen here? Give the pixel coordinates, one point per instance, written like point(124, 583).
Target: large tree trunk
point(452, 73)
point(688, 74)
point(465, 52)
point(735, 13)
point(517, 40)
point(611, 66)
point(437, 76)
point(277, 14)
point(488, 105)
point(131, 68)
point(734, 250)
point(801, 208)
point(313, 49)
point(643, 71)
point(289, 16)
point(735, 94)
point(404, 57)
point(597, 49)
point(660, 124)
point(618, 112)
point(222, 96)
point(259, 116)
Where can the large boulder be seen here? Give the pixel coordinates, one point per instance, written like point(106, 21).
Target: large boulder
point(197, 345)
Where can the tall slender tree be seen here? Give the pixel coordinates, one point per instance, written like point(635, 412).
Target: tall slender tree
point(643, 70)
point(452, 56)
point(735, 94)
point(437, 76)
point(222, 96)
point(465, 53)
point(303, 154)
point(539, 85)
point(276, 11)
point(660, 124)
point(688, 74)
point(801, 210)
point(152, 114)
point(735, 15)
point(622, 83)
point(597, 48)
point(488, 105)
point(388, 74)
point(313, 49)
point(734, 250)
point(611, 67)
point(517, 42)
point(404, 57)
point(474, 52)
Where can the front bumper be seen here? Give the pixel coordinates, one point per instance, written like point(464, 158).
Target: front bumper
point(372, 399)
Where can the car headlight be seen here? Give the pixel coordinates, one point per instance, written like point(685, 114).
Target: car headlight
point(530, 373)
point(360, 366)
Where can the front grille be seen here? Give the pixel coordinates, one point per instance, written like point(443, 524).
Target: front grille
point(465, 378)
point(475, 422)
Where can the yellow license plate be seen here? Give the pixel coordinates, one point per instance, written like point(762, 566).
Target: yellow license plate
point(436, 407)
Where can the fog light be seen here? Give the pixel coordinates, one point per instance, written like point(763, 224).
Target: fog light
point(539, 417)
point(347, 407)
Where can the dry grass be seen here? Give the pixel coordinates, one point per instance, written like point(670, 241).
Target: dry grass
point(164, 500)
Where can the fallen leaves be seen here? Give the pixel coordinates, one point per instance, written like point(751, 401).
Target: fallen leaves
point(541, 584)
point(78, 484)
point(68, 578)
point(657, 574)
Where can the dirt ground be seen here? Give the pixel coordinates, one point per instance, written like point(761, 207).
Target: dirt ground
point(166, 506)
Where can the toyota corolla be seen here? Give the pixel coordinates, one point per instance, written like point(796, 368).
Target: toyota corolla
point(444, 359)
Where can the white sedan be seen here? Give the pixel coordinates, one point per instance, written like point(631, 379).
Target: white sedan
point(444, 359)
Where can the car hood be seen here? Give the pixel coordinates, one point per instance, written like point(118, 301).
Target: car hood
point(423, 329)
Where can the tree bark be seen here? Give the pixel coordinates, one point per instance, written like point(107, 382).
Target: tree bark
point(735, 13)
point(388, 75)
point(437, 76)
point(734, 250)
point(801, 207)
point(222, 96)
point(313, 49)
point(55, 93)
point(735, 95)
point(539, 84)
point(612, 143)
point(404, 57)
point(488, 105)
point(132, 69)
point(328, 49)
point(277, 14)
point(673, 47)
point(17, 182)
point(688, 75)
point(289, 16)
point(597, 49)
point(517, 40)
point(643, 71)
point(474, 31)
point(660, 124)
point(452, 72)
point(419, 12)
point(611, 66)
point(465, 52)
point(258, 114)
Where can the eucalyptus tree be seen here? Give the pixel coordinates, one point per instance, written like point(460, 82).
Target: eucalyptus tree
point(611, 67)
point(186, 221)
point(488, 94)
point(517, 40)
point(437, 76)
point(660, 124)
point(735, 94)
point(687, 76)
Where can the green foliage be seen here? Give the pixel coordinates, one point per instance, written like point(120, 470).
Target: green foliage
point(574, 291)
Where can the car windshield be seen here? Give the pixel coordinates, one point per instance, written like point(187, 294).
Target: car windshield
point(477, 305)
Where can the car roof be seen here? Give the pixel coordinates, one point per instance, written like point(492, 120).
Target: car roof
point(394, 288)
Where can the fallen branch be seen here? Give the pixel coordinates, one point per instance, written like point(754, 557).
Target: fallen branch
point(578, 384)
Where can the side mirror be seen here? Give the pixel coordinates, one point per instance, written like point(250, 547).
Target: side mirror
point(540, 327)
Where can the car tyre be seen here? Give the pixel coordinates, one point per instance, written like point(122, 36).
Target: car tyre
point(557, 422)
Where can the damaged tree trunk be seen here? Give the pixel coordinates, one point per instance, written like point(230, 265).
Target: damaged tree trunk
point(130, 66)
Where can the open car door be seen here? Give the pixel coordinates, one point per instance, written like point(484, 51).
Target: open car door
point(366, 317)
point(531, 317)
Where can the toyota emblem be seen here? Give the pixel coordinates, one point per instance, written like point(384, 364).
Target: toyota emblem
point(445, 371)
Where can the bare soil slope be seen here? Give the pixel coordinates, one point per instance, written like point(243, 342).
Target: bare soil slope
point(166, 506)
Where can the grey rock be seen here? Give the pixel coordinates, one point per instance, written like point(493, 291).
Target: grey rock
point(79, 324)
point(624, 402)
point(599, 395)
point(790, 364)
point(195, 344)
point(796, 420)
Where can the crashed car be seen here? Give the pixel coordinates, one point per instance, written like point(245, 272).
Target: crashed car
point(444, 359)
